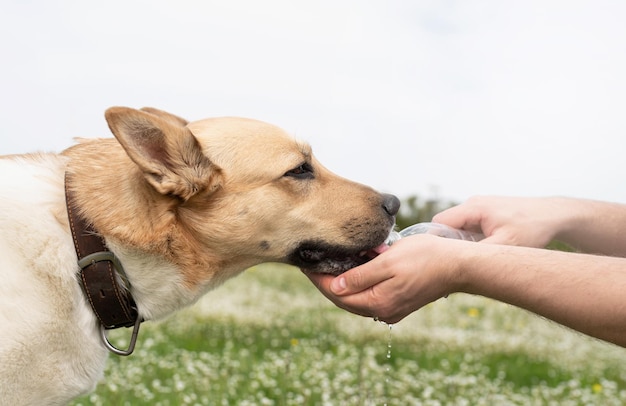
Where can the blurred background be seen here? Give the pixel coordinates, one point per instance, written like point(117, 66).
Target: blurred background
point(434, 101)
point(437, 99)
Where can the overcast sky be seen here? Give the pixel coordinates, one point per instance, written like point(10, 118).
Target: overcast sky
point(437, 98)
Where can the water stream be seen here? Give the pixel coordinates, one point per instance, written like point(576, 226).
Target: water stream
point(387, 373)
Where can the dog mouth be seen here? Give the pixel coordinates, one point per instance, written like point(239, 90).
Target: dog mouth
point(324, 258)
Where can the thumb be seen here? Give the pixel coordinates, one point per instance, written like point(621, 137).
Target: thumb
point(358, 279)
point(460, 217)
point(339, 285)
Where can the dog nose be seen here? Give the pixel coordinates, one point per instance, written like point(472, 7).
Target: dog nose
point(391, 204)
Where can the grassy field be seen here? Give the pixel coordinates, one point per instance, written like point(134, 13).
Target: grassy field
point(269, 337)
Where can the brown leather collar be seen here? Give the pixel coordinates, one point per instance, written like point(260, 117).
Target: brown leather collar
point(112, 304)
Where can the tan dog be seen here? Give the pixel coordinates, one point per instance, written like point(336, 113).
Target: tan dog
point(183, 206)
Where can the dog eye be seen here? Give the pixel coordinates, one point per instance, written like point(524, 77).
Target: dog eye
point(304, 171)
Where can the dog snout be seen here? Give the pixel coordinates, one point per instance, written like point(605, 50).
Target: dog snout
point(391, 204)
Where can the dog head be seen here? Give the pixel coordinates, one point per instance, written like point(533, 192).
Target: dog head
point(243, 192)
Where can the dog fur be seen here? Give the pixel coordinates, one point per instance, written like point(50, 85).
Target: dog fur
point(184, 206)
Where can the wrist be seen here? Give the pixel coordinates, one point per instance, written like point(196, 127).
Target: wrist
point(462, 259)
point(568, 215)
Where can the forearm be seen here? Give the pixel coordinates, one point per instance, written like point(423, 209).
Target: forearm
point(593, 226)
point(584, 292)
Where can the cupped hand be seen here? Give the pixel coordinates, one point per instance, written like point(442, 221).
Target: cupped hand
point(415, 271)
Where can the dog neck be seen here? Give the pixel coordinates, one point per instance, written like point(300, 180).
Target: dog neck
point(100, 271)
point(166, 265)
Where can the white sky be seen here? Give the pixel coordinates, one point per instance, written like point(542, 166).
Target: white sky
point(445, 98)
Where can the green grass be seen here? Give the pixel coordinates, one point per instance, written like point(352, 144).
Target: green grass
point(269, 337)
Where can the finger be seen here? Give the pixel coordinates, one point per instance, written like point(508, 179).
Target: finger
point(321, 281)
point(495, 239)
point(360, 278)
point(504, 237)
point(460, 217)
point(357, 304)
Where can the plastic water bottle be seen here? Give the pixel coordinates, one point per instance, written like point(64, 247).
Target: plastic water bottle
point(437, 229)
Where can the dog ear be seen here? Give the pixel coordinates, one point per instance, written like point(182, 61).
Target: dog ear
point(165, 115)
point(167, 152)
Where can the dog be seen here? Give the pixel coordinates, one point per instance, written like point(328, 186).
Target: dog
point(178, 207)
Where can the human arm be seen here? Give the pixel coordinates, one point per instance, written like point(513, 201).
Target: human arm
point(583, 292)
point(587, 225)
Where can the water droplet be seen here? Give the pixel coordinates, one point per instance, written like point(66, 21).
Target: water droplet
point(387, 372)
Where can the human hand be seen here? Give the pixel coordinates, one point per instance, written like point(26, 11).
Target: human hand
point(413, 272)
point(522, 221)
